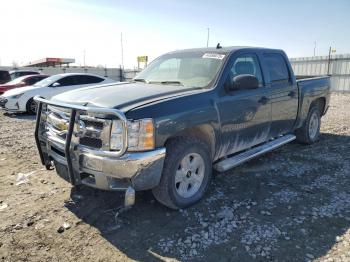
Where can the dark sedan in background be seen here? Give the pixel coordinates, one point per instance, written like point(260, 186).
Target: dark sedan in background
point(4, 76)
point(18, 73)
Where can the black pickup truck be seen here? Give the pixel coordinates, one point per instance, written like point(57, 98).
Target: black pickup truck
point(187, 113)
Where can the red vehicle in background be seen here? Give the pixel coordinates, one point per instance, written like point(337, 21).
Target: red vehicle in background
point(27, 80)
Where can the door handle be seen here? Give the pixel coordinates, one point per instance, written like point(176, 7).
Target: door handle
point(291, 93)
point(263, 100)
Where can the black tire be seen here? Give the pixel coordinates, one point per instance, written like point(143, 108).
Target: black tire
point(304, 134)
point(30, 107)
point(177, 149)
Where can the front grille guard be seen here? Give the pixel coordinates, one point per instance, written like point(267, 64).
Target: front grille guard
point(72, 121)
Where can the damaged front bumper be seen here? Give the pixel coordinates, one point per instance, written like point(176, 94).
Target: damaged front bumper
point(102, 169)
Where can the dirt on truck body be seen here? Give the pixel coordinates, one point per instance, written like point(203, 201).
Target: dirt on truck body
point(292, 204)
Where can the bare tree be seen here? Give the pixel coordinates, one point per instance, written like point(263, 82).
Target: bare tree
point(14, 64)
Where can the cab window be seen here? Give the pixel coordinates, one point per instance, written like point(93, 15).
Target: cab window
point(246, 64)
point(277, 67)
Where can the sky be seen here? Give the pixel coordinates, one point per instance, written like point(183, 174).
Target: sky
point(35, 29)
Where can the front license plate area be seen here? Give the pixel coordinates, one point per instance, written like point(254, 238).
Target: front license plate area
point(62, 171)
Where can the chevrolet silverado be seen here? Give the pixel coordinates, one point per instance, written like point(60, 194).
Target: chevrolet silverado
point(187, 113)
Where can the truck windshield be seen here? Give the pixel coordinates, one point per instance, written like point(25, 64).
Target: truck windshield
point(188, 69)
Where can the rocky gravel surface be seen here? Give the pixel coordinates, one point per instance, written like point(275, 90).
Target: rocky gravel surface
point(292, 204)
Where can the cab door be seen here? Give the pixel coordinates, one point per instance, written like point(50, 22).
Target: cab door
point(245, 115)
point(284, 93)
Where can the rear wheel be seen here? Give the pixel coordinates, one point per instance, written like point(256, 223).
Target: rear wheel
point(186, 173)
point(31, 106)
point(309, 133)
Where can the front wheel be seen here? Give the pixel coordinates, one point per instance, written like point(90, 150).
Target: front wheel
point(31, 106)
point(186, 173)
point(309, 133)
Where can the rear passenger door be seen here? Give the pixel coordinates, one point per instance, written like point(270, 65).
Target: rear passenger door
point(283, 95)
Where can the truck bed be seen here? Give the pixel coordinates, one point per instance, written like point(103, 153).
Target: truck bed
point(310, 88)
point(313, 82)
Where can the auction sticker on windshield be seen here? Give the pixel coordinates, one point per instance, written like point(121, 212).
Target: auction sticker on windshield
point(215, 56)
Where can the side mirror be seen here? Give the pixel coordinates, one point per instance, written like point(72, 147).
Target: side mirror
point(55, 84)
point(244, 82)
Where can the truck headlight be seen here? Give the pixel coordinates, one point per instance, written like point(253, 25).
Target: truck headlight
point(140, 135)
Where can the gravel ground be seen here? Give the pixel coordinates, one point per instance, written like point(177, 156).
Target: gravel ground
point(290, 205)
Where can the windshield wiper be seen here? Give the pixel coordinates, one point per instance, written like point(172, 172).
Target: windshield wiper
point(140, 80)
point(171, 83)
point(166, 82)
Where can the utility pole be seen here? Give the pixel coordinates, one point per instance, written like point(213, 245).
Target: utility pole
point(84, 58)
point(121, 45)
point(329, 59)
point(315, 48)
point(208, 37)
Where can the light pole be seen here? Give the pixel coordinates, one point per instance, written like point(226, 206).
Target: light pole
point(208, 37)
point(121, 45)
point(84, 58)
point(329, 58)
point(315, 48)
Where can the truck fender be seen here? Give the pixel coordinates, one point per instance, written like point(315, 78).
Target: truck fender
point(204, 132)
point(307, 104)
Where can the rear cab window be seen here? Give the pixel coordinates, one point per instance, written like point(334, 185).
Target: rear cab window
point(277, 67)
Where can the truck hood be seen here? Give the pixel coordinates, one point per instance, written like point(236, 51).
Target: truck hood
point(123, 96)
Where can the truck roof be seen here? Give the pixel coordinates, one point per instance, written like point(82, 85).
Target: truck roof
point(224, 50)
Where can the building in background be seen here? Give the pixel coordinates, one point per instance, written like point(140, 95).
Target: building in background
point(50, 61)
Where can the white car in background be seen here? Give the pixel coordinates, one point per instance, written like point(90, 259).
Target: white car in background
point(21, 99)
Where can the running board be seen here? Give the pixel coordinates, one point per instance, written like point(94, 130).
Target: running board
point(236, 160)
